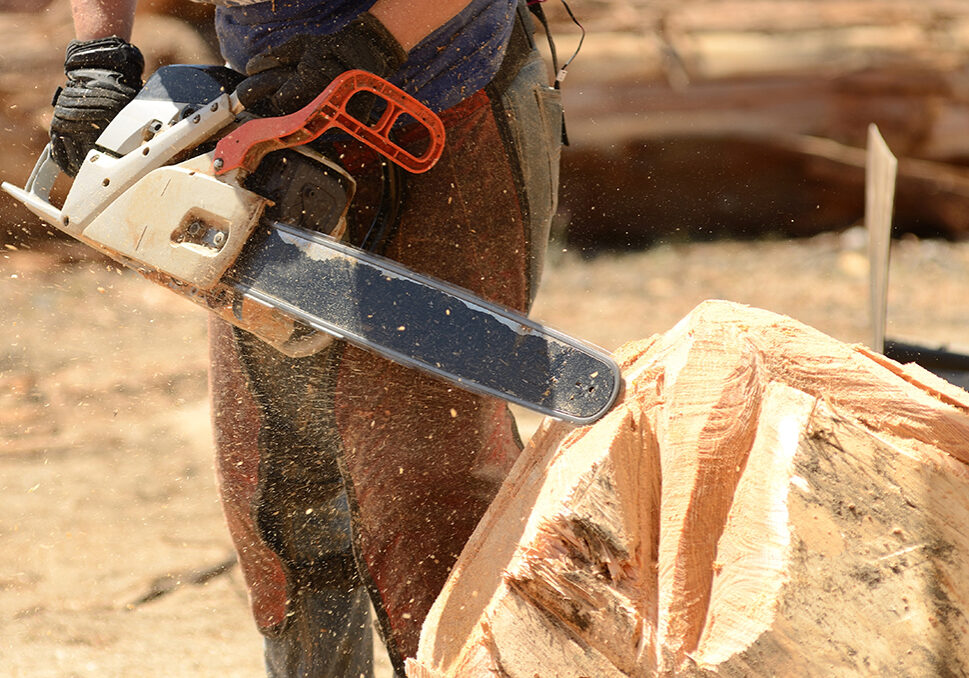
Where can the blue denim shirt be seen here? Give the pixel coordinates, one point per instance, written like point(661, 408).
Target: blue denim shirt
point(449, 65)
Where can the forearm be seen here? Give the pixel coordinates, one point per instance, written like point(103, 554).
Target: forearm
point(103, 18)
point(409, 21)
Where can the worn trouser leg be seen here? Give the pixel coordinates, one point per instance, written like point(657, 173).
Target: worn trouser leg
point(424, 459)
point(286, 507)
point(421, 459)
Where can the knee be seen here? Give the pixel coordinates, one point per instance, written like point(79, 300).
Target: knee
point(311, 535)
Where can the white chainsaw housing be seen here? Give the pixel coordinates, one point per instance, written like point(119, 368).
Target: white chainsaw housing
point(143, 198)
point(180, 221)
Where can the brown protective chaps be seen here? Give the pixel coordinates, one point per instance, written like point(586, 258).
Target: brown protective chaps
point(305, 443)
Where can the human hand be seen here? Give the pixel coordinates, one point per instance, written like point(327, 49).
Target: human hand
point(103, 75)
point(285, 78)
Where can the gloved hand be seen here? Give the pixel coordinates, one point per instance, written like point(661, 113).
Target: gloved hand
point(285, 78)
point(103, 75)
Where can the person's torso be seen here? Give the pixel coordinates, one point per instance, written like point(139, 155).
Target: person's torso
point(449, 65)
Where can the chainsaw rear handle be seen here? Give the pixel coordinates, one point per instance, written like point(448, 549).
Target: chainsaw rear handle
point(245, 146)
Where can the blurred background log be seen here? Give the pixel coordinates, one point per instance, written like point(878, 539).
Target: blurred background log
point(743, 117)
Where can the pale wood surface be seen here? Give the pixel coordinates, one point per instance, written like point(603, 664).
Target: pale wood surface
point(765, 500)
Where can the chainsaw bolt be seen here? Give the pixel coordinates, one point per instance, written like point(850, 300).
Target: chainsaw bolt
point(218, 239)
point(194, 228)
point(218, 164)
point(214, 107)
point(151, 130)
point(196, 119)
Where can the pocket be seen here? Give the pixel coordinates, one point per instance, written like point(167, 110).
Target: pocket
point(533, 122)
point(553, 119)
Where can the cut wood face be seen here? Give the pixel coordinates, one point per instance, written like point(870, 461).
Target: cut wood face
point(764, 500)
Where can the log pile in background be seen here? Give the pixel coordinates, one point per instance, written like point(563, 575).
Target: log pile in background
point(713, 117)
point(764, 500)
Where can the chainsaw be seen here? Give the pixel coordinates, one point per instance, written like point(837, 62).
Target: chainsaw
point(168, 191)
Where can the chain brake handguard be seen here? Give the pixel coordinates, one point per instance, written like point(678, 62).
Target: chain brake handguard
point(241, 152)
point(244, 147)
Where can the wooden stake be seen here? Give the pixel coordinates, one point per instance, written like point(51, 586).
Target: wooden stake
point(880, 171)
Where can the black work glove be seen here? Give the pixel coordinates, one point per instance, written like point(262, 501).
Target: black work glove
point(285, 78)
point(103, 75)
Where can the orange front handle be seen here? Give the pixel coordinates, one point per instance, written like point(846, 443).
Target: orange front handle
point(246, 146)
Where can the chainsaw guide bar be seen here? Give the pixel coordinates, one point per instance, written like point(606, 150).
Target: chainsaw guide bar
point(415, 320)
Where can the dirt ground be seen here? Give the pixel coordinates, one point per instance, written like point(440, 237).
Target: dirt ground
point(114, 560)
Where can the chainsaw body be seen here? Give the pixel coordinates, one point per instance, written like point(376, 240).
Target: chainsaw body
point(164, 190)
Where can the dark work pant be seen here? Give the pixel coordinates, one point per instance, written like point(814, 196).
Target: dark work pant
point(308, 446)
